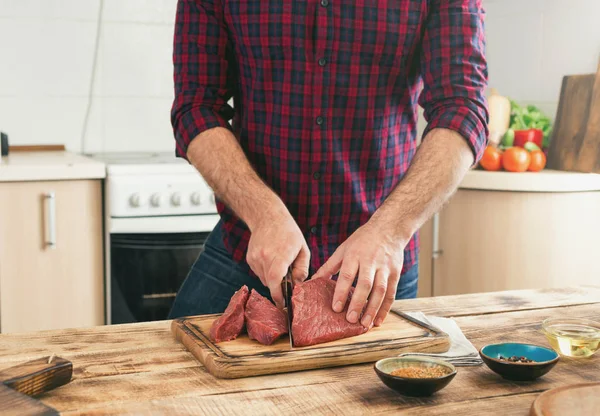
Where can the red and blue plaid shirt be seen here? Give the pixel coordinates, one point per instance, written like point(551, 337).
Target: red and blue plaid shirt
point(325, 98)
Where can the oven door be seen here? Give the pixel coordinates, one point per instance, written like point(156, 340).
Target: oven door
point(148, 268)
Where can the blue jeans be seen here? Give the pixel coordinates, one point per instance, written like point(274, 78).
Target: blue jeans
point(214, 278)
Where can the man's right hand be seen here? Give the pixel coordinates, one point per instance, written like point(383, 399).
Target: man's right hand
point(277, 243)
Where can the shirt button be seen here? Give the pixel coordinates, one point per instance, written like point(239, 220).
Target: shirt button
point(317, 176)
point(324, 3)
point(322, 62)
point(320, 120)
point(313, 229)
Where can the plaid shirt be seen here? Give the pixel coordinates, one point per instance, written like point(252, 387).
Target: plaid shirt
point(325, 96)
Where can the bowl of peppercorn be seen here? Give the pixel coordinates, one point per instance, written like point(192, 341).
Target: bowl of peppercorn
point(415, 376)
point(515, 361)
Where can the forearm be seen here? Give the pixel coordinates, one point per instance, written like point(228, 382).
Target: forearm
point(220, 159)
point(437, 169)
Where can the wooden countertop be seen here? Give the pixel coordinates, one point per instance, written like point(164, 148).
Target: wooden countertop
point(47, 166)
point(141, 369)
point(544, 181)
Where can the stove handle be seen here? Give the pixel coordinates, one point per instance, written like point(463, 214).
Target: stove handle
point(50, 219)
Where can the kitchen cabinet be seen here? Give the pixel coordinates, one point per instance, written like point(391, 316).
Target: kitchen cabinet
point(425, 287)
point(51, 255)
point(513, 235)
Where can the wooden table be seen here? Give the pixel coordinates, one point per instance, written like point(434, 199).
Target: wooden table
point(140, 369)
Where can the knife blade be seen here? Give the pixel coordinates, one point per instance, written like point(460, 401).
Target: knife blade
point(287, 292)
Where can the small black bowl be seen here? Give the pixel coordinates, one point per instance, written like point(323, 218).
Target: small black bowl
point(544, 359)
point(413, 386)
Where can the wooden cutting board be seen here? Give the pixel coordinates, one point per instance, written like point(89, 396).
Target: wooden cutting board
point(574, 400)
point(575, 142)
point(243, 357)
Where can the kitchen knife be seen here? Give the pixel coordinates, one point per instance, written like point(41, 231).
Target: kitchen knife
point(287, 292)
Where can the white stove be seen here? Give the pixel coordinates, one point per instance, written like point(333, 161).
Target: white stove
point(156, 192)
point(158, 214)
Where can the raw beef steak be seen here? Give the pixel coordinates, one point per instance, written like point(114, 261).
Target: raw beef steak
point(229, 325)
point(315, 321)
point(264, 321)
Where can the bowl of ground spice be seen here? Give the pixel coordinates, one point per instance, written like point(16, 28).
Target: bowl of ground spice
point(415, 376)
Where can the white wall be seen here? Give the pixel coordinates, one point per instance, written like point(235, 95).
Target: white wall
point(46, 61)
point(532, 44)
point(47, 55)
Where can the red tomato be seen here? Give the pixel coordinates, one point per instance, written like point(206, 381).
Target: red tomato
point(491, 159)
point(538, 161)
point(516, 159)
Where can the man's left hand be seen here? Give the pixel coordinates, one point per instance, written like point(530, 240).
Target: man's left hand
point(376, 255)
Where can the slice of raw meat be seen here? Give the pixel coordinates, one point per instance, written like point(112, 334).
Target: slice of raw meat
point(315, 321)
point(229, 325)
point(264, 321)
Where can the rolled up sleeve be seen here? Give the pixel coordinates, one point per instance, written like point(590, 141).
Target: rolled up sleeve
point(202, 71)
point(454, 71)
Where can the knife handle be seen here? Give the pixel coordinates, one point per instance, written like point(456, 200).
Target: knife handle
point(38, 376)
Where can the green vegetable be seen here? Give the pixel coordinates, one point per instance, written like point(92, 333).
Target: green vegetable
point(529, 117)
point(531, 146)
point(509, 138)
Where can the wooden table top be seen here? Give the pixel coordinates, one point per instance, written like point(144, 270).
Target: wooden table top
point(141, 369)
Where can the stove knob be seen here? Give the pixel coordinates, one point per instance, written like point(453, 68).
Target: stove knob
point(155, 200)
point(196, 198)
point(176, 199)
point(134, 200)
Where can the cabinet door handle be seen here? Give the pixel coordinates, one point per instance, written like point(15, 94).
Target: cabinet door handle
point(436, 251)
point(50, 214)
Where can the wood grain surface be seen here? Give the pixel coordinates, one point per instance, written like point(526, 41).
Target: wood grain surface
point(142, 369)
point(244, 357)
point(13, 403)
point(573, 400)
point(575, 142)
point(37, 148)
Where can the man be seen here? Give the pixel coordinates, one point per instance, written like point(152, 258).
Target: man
point(319, 170)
